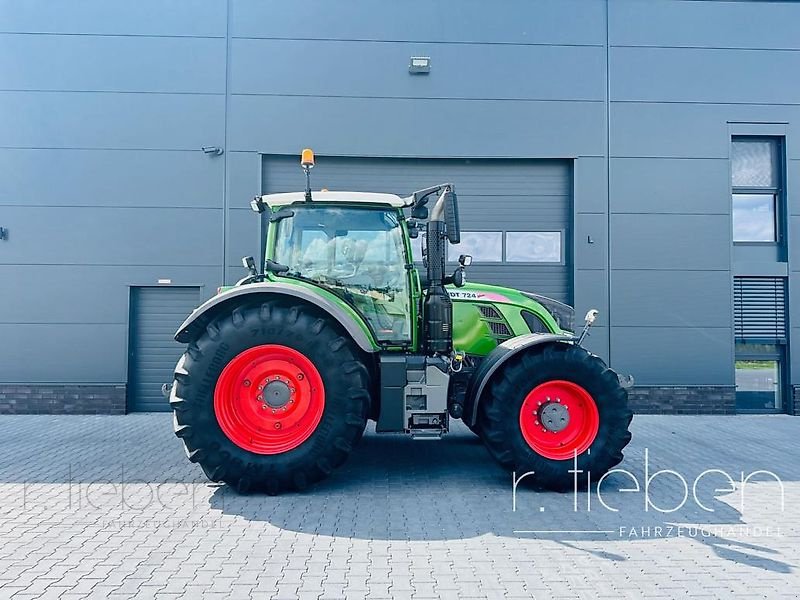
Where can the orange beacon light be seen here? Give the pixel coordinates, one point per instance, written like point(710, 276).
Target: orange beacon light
point(307, 158)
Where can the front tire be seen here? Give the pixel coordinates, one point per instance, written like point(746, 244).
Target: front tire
point(548, 408)
point(270, 398)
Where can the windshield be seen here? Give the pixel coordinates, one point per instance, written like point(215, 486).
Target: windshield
point(358, 254)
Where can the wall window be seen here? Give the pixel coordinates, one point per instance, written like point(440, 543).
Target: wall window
point(533, 246)
point(756, 167)
point(545, 247)
point(483, 246)
point(759, 378)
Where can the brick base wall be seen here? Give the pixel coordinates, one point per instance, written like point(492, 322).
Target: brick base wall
point(110, 399)
point(687, 400)
point(20, 399)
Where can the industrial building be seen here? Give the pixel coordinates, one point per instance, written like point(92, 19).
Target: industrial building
point(639, 157)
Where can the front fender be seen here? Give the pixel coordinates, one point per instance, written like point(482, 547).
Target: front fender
point(496, 358)
point(350, 320)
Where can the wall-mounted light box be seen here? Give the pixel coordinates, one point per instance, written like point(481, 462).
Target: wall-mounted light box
point(419, 64)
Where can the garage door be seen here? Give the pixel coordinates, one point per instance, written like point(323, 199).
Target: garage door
point(515, 214)
point(156, 313)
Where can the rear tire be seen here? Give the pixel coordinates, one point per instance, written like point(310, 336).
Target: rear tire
point(595, 420)
point(314, 415)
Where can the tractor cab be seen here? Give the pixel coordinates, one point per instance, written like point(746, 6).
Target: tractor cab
point(359, 252)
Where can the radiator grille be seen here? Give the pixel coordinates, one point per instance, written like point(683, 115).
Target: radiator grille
point(496, 322)
point(759, 308)
point(489, 312)
point(499, 329)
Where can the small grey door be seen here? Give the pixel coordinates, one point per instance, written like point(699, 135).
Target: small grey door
point(155, 315)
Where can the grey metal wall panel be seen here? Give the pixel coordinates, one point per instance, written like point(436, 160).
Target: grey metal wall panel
point(793, 176)
point(794, 357)
point(243, 239)
point(794, 326)
point(597, 341)
point(590, 185)
point(110, 178)
point(671, 298)
point(668, 130)
point(152, 351)
point(78, 63)
point(686, 130)
point(62, 353)
point(670, 185)
point(554, 47)
point(794, 246)
point(591, 291)
point(87, 294)
point(591, 254)
point(434, 128)
point(515, 21)
point(681, 242)
point(100, 17)
point(674, 355)
point(379, 69)
point(112, 236)
point(243, 178)
point(704, 75)
point(552, 281)
point(110, 120)
point(494, 195)
point(704, 24)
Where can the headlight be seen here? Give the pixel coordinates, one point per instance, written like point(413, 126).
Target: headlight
point(563, 314)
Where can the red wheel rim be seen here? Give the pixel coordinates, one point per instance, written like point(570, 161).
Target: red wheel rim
point(559, 419)
point(269, 399)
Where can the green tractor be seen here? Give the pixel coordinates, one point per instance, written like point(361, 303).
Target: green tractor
point(339, 325)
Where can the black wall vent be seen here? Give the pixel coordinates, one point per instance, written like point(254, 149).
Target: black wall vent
point(759, 309)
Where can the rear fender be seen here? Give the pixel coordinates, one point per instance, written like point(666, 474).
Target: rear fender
point(350, 320)
point(497, 358)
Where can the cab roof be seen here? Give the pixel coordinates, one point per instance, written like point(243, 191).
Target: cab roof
point(343, 197)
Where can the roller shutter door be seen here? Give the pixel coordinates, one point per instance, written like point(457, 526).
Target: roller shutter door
point(155, 315)
point(497, 197)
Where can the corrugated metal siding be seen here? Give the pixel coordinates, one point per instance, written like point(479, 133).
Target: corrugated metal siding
point(156, 312)
point(760, 308)
point(494, 195)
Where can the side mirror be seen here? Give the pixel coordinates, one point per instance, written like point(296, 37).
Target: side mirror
point(451, 217)
point(249, 263)
point(459, 278)
point(589, 320)
point(465, 260)
point(419, 212)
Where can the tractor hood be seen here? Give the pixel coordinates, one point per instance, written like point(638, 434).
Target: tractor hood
point(557, 315)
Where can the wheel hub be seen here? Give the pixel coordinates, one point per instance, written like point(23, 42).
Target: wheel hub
point(559, 419)
point(277, 394)
point(554, 417)
point(269, 399)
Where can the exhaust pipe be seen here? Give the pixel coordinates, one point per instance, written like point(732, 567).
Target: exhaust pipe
point(437, 308)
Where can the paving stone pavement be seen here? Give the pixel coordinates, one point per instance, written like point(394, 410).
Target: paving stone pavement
point(109, 507)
